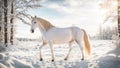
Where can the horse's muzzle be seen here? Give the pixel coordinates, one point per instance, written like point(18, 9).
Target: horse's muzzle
point(32, 31)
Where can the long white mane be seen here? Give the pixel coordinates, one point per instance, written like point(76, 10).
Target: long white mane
point(47, 25)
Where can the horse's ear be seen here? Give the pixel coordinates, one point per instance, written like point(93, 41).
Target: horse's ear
point(31, 17)
point(35, 16)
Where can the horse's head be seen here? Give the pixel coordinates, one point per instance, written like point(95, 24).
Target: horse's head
point(33, 23)
point(41, 23)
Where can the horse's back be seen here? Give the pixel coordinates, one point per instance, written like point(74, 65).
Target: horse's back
point(59, 35)
point(77, 33)
point(62, 35)
point(64, 31)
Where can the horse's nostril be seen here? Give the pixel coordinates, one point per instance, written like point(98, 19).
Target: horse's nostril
point(32, 31)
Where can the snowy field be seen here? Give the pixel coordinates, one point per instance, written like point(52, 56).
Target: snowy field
point(26, 55)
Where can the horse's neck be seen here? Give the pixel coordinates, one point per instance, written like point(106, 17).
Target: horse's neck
point(42, 30)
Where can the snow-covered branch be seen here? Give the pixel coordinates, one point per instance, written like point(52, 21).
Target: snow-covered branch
point(24, 21)
point(34, 6)
point(24, 14)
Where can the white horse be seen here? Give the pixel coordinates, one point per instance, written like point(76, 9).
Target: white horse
point(54, 35)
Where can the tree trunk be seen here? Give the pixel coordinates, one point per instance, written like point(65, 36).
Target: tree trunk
point(5, 22)
point(119, 17)
point(12, 24)
point(1, 23)
point(1, 16)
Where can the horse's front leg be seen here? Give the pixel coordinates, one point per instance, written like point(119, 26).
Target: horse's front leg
point(40, 50)
point(51, 47)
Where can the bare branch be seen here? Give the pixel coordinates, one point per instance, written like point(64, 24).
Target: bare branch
point(113, 17)
point(24, 14)
point(25, 22)
point(34, 6)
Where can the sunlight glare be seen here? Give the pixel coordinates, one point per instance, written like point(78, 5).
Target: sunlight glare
point(115, 3)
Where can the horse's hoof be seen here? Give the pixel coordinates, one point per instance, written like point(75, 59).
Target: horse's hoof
point(52, 60)
point(82, 59)
point(65, 59)
point(41, 59)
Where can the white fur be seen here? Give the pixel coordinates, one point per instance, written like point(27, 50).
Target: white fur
point(59, 35)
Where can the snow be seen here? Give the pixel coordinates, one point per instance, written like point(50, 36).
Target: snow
point(25, 54)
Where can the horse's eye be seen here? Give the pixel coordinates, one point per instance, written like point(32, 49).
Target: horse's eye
point(34, 22)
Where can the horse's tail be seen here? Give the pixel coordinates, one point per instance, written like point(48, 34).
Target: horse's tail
point(87, 46)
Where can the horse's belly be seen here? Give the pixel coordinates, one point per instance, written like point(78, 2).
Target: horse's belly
point(59, 36)
point(60, 40)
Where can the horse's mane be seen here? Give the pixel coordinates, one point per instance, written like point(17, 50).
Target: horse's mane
point(47, 25)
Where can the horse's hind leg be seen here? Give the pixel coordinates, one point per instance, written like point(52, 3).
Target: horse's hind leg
point(70, 48)
point(81, 48)
point(78, 39)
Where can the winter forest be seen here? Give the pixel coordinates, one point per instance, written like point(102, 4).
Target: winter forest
point(19, 48)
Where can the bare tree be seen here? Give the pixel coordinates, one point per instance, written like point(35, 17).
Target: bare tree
point(11, 22)
point(112, 12)
point(14, 9)
point(111, 7)
point(19, 10)
point(119, 17)
point(1, 24)
point(5, 22)
point(22, 6)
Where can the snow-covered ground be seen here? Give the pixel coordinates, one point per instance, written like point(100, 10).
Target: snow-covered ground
point(26, 55)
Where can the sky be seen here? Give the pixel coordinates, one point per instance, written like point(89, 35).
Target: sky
point(85, 14)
